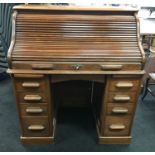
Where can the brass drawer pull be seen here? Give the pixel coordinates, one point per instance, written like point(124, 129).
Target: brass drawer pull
point(121, 98)
point(42, 66)
point(124, 85)
point(76, 67)
point(36, 127)
point(117, 127)
point(32, 98)
point(120, 110)
point(30, 84)
point(34, 110)
point(111, 67)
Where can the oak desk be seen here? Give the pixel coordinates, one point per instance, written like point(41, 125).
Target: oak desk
point(75, 43)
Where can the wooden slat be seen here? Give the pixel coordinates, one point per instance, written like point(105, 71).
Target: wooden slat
point(75, 44)
point(69, 17)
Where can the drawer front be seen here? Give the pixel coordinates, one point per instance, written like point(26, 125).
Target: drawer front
point(34, 109)
point(77, 66)
point(123, 85)
point(120, 97)
point(32, 84)
point(114, 109)
point(35, 126)
point(29, 97)
point(117, 125)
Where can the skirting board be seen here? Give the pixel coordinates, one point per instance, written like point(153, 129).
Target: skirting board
point(114, 140)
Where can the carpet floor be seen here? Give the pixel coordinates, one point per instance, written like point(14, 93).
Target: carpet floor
point(75, 128)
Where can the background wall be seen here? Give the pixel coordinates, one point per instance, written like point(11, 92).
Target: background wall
point(5, 34)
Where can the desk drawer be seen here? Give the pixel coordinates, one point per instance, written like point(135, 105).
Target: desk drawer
point(123, 85)
point(116, 97)
point(35, 126)
point(117, 125)
point(32, 109)
point(114, 109)
point(32, 84)
point(28, 97)
point(77, 66)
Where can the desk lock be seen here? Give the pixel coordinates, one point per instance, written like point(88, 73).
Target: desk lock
point(76, 66)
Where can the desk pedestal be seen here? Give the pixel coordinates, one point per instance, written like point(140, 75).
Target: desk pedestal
point(114, 112)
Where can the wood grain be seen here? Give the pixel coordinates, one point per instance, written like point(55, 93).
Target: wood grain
point(73, 8)
point(72, 36)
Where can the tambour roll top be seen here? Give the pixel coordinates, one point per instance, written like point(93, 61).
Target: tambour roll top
point(67, 34)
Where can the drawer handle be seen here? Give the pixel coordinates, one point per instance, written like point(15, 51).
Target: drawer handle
point(32, 98)
point(119, 110)
point(30, 84)
point(117, 127)
point(42, 66)
point(76, 67)
point(111, 67)
point(122, 98)
point(36, 127)
point(124, 85)
point(34, 110)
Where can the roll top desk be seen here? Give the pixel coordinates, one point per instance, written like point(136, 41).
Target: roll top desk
point(54, 44)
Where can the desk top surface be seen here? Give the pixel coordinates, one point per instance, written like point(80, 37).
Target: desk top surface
point(73, 8)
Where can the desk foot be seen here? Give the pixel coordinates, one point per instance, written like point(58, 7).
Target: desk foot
point(37, 140)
